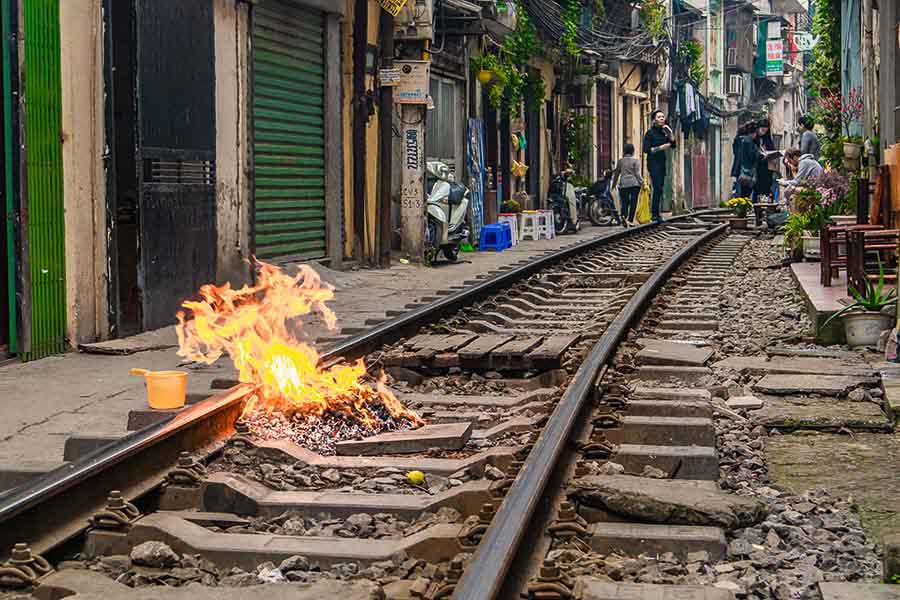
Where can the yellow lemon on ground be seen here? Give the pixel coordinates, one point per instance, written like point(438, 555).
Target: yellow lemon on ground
point(415, 477)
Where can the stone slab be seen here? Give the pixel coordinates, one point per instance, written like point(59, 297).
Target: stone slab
point(437, 543)
point(145, 417)
point(662, 373)
point(858, 466)
point(858, 591)
point(680, 462)
point(665, 352)
point(448, 436)
point(804, 412)
point(498, 456)
point(669, 408)
point(21, 473)
point(661, 393)
point(795, 365)
point(589, 588)
point(634, 539)
point(667, 501)
point(663, 431)
point(826, 385)
point(892, 398)
point(744, 403)
point(222, 492)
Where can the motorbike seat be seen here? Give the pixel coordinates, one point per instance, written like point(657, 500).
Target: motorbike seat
point(457, 192)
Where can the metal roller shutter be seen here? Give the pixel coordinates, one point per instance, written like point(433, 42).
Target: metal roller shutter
point(288, 130)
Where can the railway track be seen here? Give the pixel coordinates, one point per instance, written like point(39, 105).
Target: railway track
point(506, 373)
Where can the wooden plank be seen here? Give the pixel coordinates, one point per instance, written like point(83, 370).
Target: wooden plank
point(417, 341)
point(455, 342)
point(423, 341)
point(483, 345)
point(553, 347)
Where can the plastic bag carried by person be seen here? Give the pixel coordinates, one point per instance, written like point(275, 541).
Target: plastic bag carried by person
point(642, 215)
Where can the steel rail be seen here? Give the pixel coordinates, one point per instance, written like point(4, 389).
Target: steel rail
point(485, 575)
point(136, 463)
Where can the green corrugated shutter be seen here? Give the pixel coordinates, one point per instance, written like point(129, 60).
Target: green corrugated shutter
point(288, 130)
point(46, 215)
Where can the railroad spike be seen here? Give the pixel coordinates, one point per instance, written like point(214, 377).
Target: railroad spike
point(118, 515)
point(23, 569)
point(568, 523)
point(551, 584)
point(448, 586)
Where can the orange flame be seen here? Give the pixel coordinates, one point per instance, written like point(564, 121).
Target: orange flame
point(254, 326)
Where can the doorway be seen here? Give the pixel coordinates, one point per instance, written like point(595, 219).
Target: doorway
point(161, 197)
point(123, 205)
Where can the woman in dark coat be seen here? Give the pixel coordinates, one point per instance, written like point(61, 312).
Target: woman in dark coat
point(747, 159)
point(656, 141)
point(764, 142)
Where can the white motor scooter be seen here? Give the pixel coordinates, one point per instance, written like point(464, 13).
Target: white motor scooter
point(447, 207)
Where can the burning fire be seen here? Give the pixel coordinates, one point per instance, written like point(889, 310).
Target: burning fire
point(254, 325)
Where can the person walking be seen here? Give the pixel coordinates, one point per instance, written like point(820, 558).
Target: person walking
point(656, 141)
point(747, 160)
point(627, 175)
point(809, 141)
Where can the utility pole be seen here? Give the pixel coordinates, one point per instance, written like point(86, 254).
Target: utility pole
point(412, 190)
point(383, 230)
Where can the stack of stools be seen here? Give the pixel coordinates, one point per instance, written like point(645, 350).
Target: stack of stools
point(495, 237)
point(513, 220)
point(535, 225)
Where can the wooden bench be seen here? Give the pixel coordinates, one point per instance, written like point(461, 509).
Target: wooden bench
point(867, 253)
point(831, 238)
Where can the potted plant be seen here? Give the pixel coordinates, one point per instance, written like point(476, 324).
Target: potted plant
point(863, 319)
point(740, 206)
point(484, 67)
point(850, 108)
point(794, 229)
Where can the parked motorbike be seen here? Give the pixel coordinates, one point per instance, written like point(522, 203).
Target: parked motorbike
point(599, 206)
point(447, 209)
point(563, 201)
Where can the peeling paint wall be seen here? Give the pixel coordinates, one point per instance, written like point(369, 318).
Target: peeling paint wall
point(232, 185)
point(84, 186)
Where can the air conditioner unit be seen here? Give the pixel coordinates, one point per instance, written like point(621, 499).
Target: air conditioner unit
point(415, 21)
point(731, 57)
point(736, 85)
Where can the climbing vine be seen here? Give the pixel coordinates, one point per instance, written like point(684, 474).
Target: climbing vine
point(653, 17)
point(824, 77)
point(690, 54)
point(512, 83)
point(571, 16)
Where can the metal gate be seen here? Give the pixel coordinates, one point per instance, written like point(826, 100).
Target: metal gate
point(176, 153)
point(288, 113)
point(43, 217)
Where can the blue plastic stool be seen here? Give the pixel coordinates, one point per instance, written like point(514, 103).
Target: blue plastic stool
point(495, 237)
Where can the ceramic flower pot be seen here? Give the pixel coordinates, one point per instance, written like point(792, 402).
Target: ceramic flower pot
point(811, 247)
point(852, 150)
point(737, 222)
point(485, 77)
point(864, 328)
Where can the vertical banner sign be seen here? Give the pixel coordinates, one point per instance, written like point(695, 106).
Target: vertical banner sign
point(475, 159)
point(412, 183)
point(774, 57)
point(392, 6)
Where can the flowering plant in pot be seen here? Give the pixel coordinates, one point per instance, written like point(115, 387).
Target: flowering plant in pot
point(863, 319)
point(849, 109)
point(740, 206)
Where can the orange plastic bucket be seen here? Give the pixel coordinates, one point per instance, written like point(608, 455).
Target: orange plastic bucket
point(165, 389)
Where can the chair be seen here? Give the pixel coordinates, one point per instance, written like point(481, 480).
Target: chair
point(869, 252)
point(833, 249)
point(495, 237)
point(528, 226)
point(513, 220)
point(548, 222)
